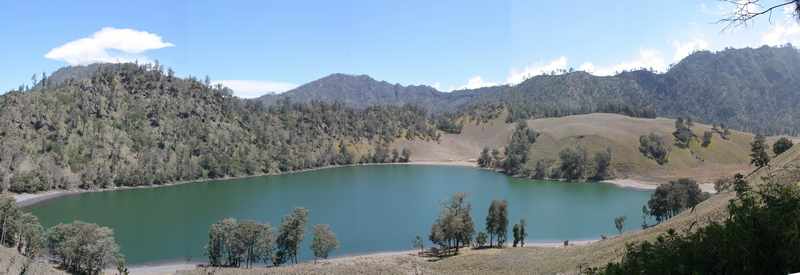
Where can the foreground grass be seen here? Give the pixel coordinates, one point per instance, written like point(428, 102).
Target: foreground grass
point(12, 262)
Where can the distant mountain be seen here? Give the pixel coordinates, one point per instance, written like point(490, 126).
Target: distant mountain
point(67, 75)
point(361, 91)
point(753, 90)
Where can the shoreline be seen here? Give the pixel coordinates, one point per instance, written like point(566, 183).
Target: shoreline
point(30, 199)
point(172, 266)
point(27, 199)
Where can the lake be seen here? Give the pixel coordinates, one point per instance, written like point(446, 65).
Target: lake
point(370, 208)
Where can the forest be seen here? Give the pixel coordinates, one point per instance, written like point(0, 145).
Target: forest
point(134, 125)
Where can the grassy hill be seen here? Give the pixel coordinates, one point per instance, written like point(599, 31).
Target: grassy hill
point(597, 132)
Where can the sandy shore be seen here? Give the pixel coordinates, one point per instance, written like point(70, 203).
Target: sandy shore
point(172, 267)
point(648, 186)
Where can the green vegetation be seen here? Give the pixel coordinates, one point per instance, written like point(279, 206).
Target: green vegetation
point(683, 133)
point(672, 198)
point(454, 225)
point(418, 242)
point(759, 236)
point(654, 147)
point(84, 246)
point(132, 125)
point(245, 242)
point(233, 243)
point(520, 233)
point(324, 241)
point(759, 147)
point(291, 234)
point(619, 222)
point(782, 145)
point(497, 221)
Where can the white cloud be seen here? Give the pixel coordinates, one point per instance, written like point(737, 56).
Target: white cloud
point(255, 88)
point(784, 32)
point(477, 82)
point(108, 45)
point(684, 49)
point(647, 59)
point(538, 68)
point(437, 85)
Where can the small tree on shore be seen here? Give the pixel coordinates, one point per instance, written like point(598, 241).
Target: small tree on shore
point(497, 221)
point(324, 241)
point(619, 222)
point(417, 241)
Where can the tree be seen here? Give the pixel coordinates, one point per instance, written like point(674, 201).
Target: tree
point(481, 238)
point(602, 160)
point(454, 225)
point(515, 231)
point(781, 145)
point(572, 163)
point(497, 221)
point(84, 245)
point(672, 198)
point(291, 234)
point(417, 241)
point(619, 222)
point(406, 153)
point(745, 11)
point(265, 246)
point(654, 147)
point(485, 159)
point(324, 241)
point(759, 147)
point(221, 249)
point(522, 232)
point(247, 241)
point(683, 133)
point(395, 155)
point(9, 213)
point(30, 235)
point(707, 135)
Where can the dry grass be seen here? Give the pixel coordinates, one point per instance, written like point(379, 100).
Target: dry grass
point(12, 262)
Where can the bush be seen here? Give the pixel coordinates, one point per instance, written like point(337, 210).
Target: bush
point(761, 236)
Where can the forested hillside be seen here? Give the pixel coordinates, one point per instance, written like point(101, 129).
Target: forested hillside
point(751, 90)
point(132, 125)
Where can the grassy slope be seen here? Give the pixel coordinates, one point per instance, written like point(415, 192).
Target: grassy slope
point(12, 262)
point(621, 133)
point(461, 147)
point(597, 132)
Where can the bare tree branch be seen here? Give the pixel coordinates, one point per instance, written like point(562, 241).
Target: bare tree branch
point(742, 16)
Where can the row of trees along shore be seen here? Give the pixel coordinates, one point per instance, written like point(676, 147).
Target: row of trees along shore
point(455, 228)
point(82, 247)
point(245, 242)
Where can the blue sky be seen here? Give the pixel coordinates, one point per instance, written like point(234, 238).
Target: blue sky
point(259, 46)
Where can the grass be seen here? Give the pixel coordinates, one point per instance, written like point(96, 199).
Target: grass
point(12, 262)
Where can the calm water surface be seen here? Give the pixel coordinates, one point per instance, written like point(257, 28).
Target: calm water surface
point(371, 208)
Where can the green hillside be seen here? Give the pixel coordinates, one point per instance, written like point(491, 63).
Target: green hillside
point(132, 125)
